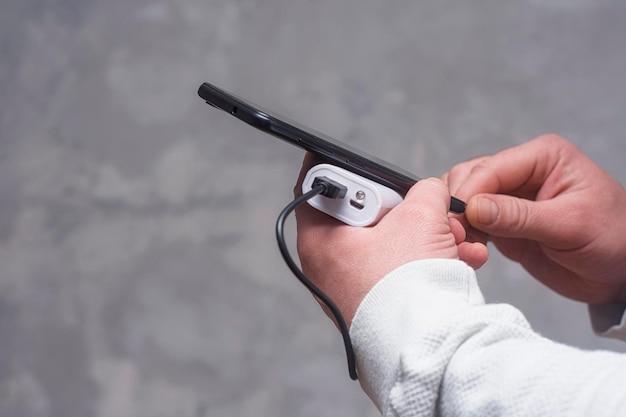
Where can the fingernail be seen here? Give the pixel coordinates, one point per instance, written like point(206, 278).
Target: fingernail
point(487, 211)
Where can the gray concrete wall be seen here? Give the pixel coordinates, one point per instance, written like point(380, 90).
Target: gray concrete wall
point(138, 270)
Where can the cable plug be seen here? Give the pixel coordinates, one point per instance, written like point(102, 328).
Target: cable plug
point(334, 189)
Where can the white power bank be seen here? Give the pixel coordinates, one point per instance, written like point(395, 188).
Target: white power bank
point(364, 203)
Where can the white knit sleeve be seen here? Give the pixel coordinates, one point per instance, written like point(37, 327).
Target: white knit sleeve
point(426, 345)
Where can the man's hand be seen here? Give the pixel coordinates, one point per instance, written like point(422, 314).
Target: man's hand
point(346, 262)
point(547, 206)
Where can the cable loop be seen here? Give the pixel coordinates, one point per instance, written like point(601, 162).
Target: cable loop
point(332, 307)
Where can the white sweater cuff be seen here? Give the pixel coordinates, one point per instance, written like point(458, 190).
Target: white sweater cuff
point(406, 303)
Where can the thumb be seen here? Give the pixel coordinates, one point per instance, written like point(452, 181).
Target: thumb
point(508, 216)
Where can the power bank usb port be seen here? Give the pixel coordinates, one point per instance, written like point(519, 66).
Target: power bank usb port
point(356, 204)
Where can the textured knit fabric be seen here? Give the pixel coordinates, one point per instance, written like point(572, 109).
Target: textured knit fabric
point(428, 345)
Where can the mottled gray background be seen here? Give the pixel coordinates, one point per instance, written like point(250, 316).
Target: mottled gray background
point(138, 270)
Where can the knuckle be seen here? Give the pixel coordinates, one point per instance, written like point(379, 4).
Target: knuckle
point(550, 138)
point(427, 189)
point(434, 182)
point(554, 143)
point(456, 171)
point(482, 166)
point(460, 171)
point(557, 146)
point(518, 215)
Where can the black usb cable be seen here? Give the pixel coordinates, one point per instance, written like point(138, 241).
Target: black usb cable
point(331, 189)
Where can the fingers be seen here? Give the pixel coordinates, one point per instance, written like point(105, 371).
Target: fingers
point(457, 229)
point(515, 170)
point(459, 173)
point(427, 198)
point(521, 172)
point(513, 217)
point(429, 192)
point(422, 215)
point(473, 254)
point(424, 212)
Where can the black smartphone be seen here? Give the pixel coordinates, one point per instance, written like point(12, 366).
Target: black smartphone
point(330, 150)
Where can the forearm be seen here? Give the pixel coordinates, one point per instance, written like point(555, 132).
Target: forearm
point(438, 350)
